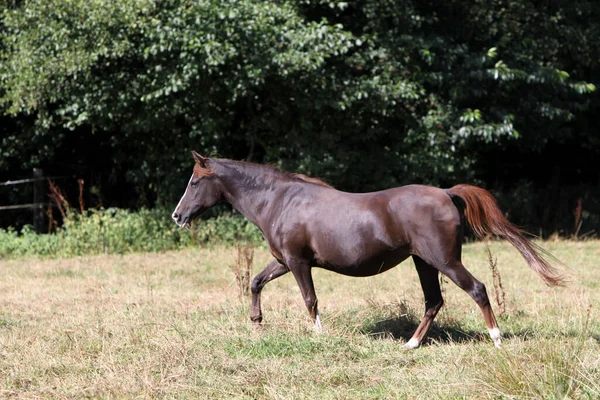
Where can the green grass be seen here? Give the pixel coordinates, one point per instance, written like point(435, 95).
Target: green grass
point(170, 325)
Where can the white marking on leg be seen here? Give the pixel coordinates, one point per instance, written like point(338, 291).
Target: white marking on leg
point(318, 328)
point(412, 344)
point(496, 336)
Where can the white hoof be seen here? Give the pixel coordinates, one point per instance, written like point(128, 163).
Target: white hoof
point(496, 336)
point(318, 328)
point(411, 344)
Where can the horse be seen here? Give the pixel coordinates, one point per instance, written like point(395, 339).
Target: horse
point(307, 223)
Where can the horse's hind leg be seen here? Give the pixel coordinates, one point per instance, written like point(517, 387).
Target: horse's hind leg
point(430, 284)
point(272, 271)
point(467, 282)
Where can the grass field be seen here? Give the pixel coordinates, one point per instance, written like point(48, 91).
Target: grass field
point(172, 326)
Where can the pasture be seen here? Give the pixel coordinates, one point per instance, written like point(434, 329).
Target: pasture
point(171, 325)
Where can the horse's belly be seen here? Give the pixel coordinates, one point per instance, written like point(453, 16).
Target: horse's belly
point(358, 240)
point(368, 266)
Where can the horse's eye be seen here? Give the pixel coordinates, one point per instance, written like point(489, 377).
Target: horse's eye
point(194, 183)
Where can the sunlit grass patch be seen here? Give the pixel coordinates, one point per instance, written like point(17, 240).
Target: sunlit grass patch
point(542, 368)
point(171, 325)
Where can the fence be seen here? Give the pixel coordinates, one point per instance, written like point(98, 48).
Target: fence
point(40, 194)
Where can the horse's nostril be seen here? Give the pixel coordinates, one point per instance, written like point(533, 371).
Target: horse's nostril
point(175, 215)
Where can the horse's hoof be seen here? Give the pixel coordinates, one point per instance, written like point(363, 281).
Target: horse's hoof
point(317, 328)
point(496, 336)
point(411, 344)
point(257, 327)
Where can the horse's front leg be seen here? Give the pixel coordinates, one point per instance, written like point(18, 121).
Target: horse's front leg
point(272, 271)
point(302, 272)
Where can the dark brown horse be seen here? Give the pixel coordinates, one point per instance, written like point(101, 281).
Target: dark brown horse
point(310, 224)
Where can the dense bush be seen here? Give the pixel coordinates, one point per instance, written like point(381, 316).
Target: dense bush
point(110, 231)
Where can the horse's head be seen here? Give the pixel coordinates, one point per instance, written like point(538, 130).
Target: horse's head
point(202, 192)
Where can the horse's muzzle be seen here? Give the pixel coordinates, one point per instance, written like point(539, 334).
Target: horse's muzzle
point(178, 220)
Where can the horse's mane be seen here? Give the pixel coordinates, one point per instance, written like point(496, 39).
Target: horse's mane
point(300, 178)
point(308, 179)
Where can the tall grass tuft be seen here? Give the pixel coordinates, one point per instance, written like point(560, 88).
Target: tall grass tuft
point(242, 269)
point(498, 288)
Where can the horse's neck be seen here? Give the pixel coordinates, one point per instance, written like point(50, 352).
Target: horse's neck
point(250, 188)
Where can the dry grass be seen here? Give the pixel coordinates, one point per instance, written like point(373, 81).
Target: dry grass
point(242, 269)
point(171, 326)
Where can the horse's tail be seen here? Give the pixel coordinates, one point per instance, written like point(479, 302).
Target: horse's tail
point(485, 218)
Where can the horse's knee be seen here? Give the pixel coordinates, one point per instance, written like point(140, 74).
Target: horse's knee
point(256, 286)
point(432, 309)
point(479, 294)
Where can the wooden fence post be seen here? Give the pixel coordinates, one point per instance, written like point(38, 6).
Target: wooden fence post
point(39, 198)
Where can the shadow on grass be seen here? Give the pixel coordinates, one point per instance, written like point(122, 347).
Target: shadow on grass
point(404, 327)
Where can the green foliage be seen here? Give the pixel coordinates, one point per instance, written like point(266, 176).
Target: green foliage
point(226, 229)
point(117, 231)
point(13, 244)
point(153, 74)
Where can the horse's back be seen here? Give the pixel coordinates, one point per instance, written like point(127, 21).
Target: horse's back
point(393, 212)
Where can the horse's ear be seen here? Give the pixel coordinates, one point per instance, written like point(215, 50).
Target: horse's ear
point(199, 159)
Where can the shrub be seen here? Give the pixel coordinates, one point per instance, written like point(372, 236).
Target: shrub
point(113, 230)
point(27, 243)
